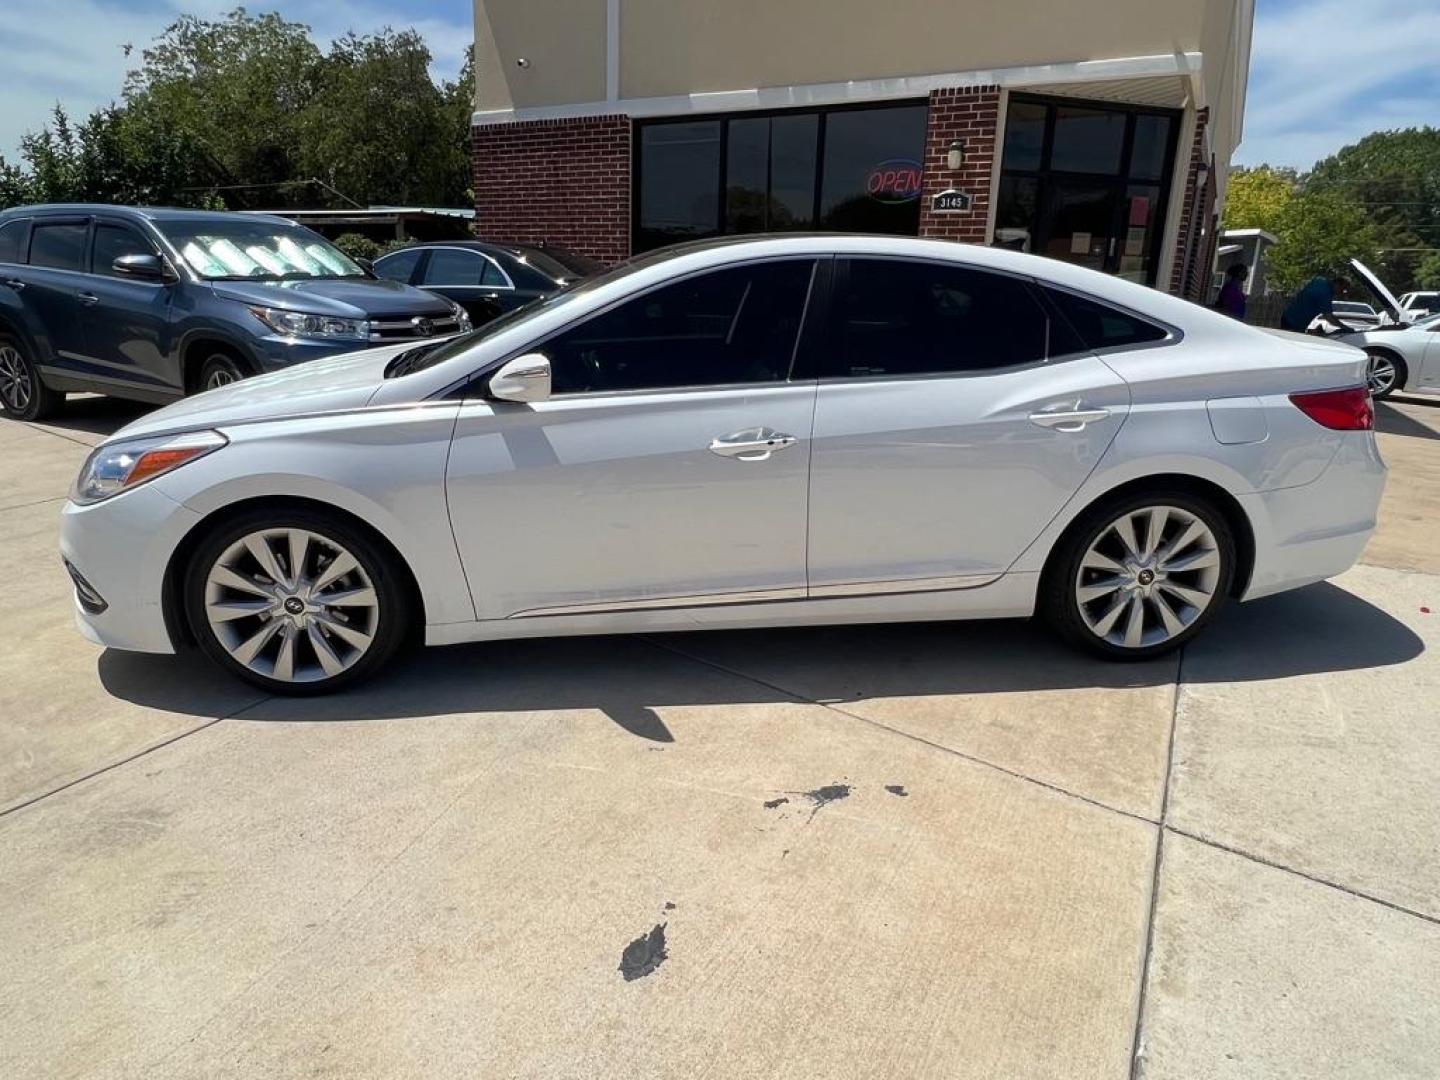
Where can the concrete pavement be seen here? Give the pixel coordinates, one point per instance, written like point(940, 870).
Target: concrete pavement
point(883, 851)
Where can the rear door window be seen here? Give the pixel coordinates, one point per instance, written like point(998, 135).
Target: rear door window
point(60, 246)
point(453, 266)
point(11, 234)
point(893, 317)
point(399, 266)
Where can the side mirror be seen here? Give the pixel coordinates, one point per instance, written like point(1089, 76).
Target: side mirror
point(526, 378)
point(144, 267)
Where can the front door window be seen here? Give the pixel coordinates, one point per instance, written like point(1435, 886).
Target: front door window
point(1086, 183)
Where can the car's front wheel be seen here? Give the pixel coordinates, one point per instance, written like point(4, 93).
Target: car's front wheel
point(295, 603)
point(1384, 373)
point(1140, 577)
point(22, 394)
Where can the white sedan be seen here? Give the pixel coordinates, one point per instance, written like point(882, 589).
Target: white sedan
point(1404, 358)
point(776, 431)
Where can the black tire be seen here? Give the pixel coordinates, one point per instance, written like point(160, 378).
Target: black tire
point(23, 395)
point(394, 611)
point(1059, 605)
point(219, 368)
point(1402, 373)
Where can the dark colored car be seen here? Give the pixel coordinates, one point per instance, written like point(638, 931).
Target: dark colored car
point(153, 304)
point(486, 279)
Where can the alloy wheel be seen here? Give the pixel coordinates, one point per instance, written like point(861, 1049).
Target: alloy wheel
point(15, 386)
point(220, 375)
point(292, 605)
point(1380, 374)
point(1148, 576)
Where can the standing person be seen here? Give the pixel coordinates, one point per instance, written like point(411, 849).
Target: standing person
point(1232, 293)
point(1317, 298)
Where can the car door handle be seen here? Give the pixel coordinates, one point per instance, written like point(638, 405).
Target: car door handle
point(1068, 418)
point(756, 444)
point(15, 283)
point(89, 299)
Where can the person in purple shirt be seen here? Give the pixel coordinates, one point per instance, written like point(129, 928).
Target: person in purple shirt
point(1232, 293)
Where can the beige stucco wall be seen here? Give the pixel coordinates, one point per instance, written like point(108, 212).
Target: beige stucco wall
point(679, 47)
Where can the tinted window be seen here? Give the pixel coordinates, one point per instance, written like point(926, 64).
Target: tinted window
point(11, 233)
point(490, 275)
point(903, 318)
point(871, 177)
point(679, 182)
point(730, 326)
point(112, 241)
point(1025, 135)
point(60, 246)
point(400, 266)
point(451, 266)
point(1101, 326)
point(1087, 140)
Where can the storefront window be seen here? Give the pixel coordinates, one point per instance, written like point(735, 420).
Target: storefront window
point(855, 170)
point(1086, 183)
point(680, 186)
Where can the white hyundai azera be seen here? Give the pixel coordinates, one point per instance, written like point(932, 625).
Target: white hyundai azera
point(772, 431)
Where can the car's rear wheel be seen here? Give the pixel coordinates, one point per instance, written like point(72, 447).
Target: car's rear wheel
point(1138, 578)
point(297, 602)
point(22, 394)
point(1384, 373)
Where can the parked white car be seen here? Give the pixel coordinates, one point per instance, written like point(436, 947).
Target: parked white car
point(1404, 353)
point(786, 430)
point(1352, 313)
point(1416, 305)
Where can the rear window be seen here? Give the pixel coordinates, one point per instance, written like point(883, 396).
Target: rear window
point(1101, 326)
point(11, 233)
point(59, 246)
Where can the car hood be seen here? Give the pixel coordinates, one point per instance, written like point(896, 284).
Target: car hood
point(351, 298)
point(1384, 298)
point(331, 384)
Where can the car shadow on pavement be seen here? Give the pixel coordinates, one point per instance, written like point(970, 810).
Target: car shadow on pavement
point(1391, 421)
point(95, 415)
point(1318, 629)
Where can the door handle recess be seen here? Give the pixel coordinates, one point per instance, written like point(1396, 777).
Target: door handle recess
point(15, 283)
point(89, 299)
point(1068, 419)
point(756, 444)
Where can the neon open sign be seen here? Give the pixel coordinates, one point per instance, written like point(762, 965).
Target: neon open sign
point(894, 181)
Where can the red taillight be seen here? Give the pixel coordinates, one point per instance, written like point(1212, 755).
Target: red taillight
point(1349, 409)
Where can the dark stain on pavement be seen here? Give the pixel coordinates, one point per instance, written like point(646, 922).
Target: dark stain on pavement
point(773, 803)
point(669, 905)
point(822, 797)
point(644, 954)
point(897, 789)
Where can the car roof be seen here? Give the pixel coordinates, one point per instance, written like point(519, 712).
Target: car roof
point(147, 213)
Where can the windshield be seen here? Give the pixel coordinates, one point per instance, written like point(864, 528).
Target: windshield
point(1352, 307)
point(231, 248)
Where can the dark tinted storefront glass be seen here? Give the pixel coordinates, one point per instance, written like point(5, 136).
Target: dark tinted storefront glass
point(1151, 149)
point(1024, 135)
point(1087, 140)
point(871, 171)
point(793, 146)
point(680, 182)
point(746, 175)
point(1015, 213)
point(1137, 242)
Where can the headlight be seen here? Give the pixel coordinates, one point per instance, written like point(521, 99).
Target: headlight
point(299, 324)
point(120, 466)
point(462, 317)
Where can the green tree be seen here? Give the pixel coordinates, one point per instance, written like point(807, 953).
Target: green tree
point(1319, 232)
point(1255, 198)
point(1427, 274)
point(15, 186)
point(357, 246)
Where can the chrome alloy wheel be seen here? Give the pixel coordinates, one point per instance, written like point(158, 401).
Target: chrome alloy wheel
point(1147, 576)
point(221, 376)
point(1380, 374)
point(15, 386)
point(291, 605)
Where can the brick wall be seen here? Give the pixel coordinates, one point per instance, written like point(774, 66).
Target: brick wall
point(566, 182)
point(1197, 209)
point(970, 114)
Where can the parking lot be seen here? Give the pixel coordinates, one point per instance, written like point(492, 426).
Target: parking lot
point(936, 850)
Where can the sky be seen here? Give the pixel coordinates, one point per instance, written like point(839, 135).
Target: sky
point(1323, 72)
